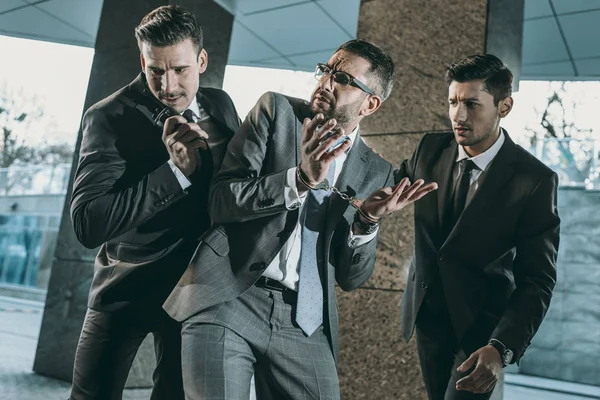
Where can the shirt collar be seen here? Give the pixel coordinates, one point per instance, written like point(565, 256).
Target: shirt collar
point(195, 108)
point(352, 136)
point(483, 160)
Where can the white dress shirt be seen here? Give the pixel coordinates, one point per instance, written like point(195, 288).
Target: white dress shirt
point(284, 267)
point(200, 115)
point(482, 161)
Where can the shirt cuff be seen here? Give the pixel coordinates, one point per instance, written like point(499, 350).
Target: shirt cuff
point(355, 241)
point(184, 182)
point(292, 198)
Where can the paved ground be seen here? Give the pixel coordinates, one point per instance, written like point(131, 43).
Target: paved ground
point(20, 322)
point(19, 328)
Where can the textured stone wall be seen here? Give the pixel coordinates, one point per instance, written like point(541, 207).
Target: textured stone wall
point(116, 63)
point(567, 344)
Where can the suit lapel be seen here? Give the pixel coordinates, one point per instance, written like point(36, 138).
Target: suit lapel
point(350, 179)
point(443, 177)
point(213, 110)
point(499, 173)
point(301, 111)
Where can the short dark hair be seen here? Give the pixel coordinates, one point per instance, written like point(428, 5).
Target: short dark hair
point(382, 65)
point(497, 78)
point(169, 25)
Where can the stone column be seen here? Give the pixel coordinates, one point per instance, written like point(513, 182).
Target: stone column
point(116, 63)
point(422, 38)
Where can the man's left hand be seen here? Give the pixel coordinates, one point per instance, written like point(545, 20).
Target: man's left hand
point(486, 373)
point(389, 199)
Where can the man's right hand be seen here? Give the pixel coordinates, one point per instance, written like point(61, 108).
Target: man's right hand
point(182, 138)
point(315, 159)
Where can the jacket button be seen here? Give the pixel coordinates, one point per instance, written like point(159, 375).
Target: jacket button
point(424, 285)
point(440, 256)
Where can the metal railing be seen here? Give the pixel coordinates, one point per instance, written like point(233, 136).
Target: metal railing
point(25, 245)
point(576, 161)
point(39, 179)
point(28, 238)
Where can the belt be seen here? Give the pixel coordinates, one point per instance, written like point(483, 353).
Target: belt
point(271, 284)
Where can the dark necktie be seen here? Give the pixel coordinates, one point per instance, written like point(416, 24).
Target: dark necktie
point(461, 191)
point(309, 307)
point(206, 160)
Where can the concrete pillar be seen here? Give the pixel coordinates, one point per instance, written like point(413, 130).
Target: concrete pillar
point(423, 37)
point(116, 63)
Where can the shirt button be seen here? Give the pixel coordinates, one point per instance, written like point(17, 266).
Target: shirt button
point(441, 256)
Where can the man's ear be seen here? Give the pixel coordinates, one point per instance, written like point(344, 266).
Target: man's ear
point(373, 102)
point(143, 62)
point(202, 61)
point(505, 106)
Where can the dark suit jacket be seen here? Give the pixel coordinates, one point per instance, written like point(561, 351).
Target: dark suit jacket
point(498, 264)
point(247, 200)
point(127, 199)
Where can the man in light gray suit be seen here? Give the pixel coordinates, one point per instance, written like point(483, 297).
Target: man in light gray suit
point(258, 297)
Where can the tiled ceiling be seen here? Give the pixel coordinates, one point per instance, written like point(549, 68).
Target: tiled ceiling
point(63, 21)
point(559, 37)
point(560, 40)
point(289, 34)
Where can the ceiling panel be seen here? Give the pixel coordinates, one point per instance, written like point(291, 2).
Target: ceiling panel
point(589, 67)
point(566, 6)
point(542, 42)
point(297, 29)
point(6, 5)
point(344, 12)
point(582, 32)
point(280, 62)
point(32, 23)
point(543, 71)
point(246, 46)
point(309, 61)
point(537, 9)
point(84, 16)
point(246, 7)
point(296, 34)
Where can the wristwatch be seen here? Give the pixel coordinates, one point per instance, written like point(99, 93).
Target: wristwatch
point(506, 354)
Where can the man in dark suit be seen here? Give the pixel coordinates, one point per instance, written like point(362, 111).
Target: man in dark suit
point(259, 294)
point(141, 192)
point(484, 267)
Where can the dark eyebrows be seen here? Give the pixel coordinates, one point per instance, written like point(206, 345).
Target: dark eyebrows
point(473, 99)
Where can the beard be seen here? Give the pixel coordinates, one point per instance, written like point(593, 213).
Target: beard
point(344, 115)
point(485, 134)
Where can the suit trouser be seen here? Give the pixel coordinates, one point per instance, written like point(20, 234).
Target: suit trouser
point(440, 356)
point(108, 345)
point(224, 345)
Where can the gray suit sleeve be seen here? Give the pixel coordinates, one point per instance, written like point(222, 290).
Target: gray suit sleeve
point(354, 267)
point(239, 192)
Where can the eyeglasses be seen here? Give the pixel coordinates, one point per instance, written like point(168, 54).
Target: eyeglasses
point(341, 78)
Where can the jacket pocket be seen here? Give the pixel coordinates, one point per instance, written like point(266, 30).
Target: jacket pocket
point(217, 240)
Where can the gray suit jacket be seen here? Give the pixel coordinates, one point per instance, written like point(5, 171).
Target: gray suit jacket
point(252, 222)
